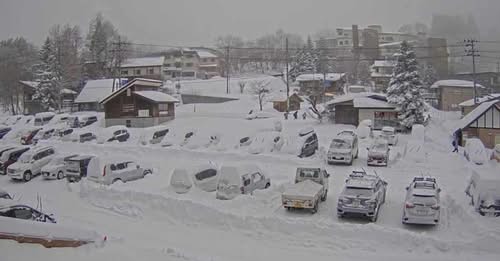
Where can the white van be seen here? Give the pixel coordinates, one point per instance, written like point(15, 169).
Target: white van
point(245, 179)
point(43, 118)
point(113, 172)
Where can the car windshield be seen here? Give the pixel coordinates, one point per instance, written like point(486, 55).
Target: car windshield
point(356, 191)
point(387, 132)
point(340, 144)
point(25, 158)
point(309, 173)
point(379, 146)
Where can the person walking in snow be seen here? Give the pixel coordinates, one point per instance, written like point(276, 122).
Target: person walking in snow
point(286, 115)
point(455, 145)
point(296, 114)
point(304, 115)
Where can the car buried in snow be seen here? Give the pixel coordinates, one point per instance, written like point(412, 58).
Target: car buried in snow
point(484, 192)
point(310, 188)
point(237, 180)
point(389, 133)
point(378, 153)
point(11, 209)
point(343, 148)
point(56, 168)
point(475, 151)
point(422, 203)
point(113, 172)
point(362, 195)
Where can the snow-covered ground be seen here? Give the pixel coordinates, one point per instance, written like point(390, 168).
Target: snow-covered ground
point(147, 220)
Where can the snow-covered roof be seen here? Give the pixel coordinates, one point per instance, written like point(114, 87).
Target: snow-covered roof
point(455, 83)
point(319, 76)
point(31, 84)
point(156, 96)
point(479, 100)
point(370, 102)
point(476, 113)
point(384, 63)
point(363, 100)
point(208, 65)
point(96, 90)
point(143, 62)
point(138, 81)
point(205, 54)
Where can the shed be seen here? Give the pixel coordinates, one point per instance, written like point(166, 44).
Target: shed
point(332, 83)
point(139, 104)
point(280, 102)
point(94, 91)
point(483, 122)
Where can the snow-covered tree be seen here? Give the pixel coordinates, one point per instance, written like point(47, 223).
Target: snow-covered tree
point(405, 88)
point(48, 91)
point(429, 76)
point(260, 89)
point(305, 61)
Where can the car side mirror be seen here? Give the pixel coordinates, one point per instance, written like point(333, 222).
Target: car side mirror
point(407, 188)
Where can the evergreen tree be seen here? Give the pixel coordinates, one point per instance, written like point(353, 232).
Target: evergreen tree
point(429, 76)
point(405, 88)
point(46, 75)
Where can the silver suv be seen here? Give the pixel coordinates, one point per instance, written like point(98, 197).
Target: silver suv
point(362, 195)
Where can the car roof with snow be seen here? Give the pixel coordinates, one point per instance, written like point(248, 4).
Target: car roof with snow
point(81, 157)
point(388, 128)
point(360, 179)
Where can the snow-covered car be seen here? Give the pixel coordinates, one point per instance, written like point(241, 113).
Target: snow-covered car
point(77, 167)
point(158, 136)
point(258, 115)
point(418, 132)
point(196, 140)
point(27, 138)
point(4, 131)
point(389, 133)
point(43, 118)
point(10, 157)
point(80, 121)
point(378, 153)
point(30, 164)
point(309, 189)
point(83, 137)
point(265, 142)
point(11, 209)
point(4, 195)
point(475, 151)
point(245, 141)
point(415, 151)
point(120, 136)
point(484, 192)
point(60, 119)
point(206, 177)
point(243, 179)
point(65, 134)
point(305, 144)
point(44, 134)
point(422, 203)
point(56, 168)
point(343, 148)
point(180, 181)
point(362, 195)
point(113, 172)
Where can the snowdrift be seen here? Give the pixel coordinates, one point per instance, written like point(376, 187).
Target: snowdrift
point(46, 234)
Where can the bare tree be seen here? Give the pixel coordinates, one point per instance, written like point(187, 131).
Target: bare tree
point(260, 90)
point(314, 98)
point(242, 85)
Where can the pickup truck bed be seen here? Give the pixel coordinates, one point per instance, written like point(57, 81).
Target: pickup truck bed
point(305, 190)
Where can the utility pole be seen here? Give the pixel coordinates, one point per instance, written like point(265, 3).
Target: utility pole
point(287, 71)
point(228, 65)
point(116, 51)
point(471, 44)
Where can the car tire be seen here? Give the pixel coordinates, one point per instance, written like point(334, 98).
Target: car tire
point(350, 162)
point(267, 185)
point(60, 175)
point(323, 198)
point(116, 180)
point(27, 176)
point(314, 210)
point(375, 216)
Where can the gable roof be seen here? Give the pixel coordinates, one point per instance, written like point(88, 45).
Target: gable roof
point(96, 90)
point(143, 62)
point(156, 96)
point(479, 100)
point(31, 84)
point(136, 81)
point(472, 116)
point(455, 83)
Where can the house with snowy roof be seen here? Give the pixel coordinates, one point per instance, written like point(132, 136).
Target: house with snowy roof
point(482, 122)
point(450, 93)
point(280, 102)
point(355, 107)
point(467, 106)
point(333, 83)
point(94, 91)
point(145, 67)
point(28, 89)
point(139, 104)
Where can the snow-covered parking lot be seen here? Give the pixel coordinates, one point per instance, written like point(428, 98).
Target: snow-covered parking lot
point(145, 219)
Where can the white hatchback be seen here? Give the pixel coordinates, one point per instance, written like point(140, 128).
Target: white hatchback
point(56, 168)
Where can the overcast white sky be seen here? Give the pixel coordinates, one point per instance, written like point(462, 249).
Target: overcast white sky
point(199, 22)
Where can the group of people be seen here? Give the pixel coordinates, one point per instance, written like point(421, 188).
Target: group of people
point(295, 115)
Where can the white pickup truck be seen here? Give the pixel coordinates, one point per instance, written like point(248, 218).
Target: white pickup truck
point(310, 187)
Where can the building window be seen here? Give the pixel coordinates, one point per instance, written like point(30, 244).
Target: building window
point(212, 59)
point(189, 65)
point(151, 71)
point(178, 65)
point(205, 60)
point(341, 42)
point(138, 72)
point(128, 123)
point(167, 65)
point(188, 74)
point(125, 72)
point(163, 106)
point(189, 56)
